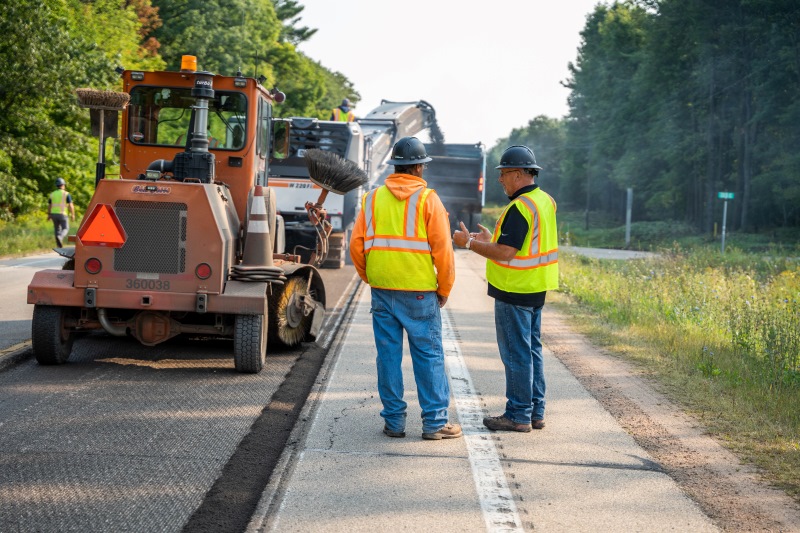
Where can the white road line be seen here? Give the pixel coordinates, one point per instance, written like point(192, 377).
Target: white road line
point(497, 502)
point(31, 263)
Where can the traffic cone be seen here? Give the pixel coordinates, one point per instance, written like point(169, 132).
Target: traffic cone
point(257, 250)
point(257, 264)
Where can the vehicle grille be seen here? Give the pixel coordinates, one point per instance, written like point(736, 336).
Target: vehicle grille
point(156, 240)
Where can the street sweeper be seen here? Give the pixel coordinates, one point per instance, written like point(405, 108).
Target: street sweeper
point(186, 239)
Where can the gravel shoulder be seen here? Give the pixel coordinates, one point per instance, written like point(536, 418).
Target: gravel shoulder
point(731, 493)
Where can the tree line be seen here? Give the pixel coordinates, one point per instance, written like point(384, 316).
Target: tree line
point(679, 100)
point(52, 47)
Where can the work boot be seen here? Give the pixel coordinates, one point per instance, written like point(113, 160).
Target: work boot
point(501, 423)
point(396, 434)
point(450, 431)
point(537, 424)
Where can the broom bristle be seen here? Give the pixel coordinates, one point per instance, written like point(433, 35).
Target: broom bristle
point(333, 173)
point(97, 99)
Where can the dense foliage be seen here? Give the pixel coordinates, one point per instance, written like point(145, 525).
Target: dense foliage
point(546, 137)
point(678, 100)
point(682, 99)
point(52, 47)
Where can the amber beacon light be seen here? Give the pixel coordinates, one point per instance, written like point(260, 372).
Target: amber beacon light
point(189, 63)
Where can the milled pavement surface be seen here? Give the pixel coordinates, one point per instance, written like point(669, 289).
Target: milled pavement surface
point(583, 472)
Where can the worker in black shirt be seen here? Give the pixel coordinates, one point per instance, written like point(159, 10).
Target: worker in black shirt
point(521, 266)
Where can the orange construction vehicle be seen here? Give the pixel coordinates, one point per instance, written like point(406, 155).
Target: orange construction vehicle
point(187, 240)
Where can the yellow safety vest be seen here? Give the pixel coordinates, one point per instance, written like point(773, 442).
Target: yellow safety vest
point(396, 242)
point(58, 202)
point(340, 116)
point(535, 267)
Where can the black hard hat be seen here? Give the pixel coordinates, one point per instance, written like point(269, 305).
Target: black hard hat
point(409, 151)
point(60, 182)
point(346, 102)
point(518, 156)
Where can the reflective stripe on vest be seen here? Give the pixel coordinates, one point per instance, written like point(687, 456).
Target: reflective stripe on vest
point(410, 240)
point(58, 202)
point(535, 267)
point(533, 259)
point(401, 262)
point(340, 116)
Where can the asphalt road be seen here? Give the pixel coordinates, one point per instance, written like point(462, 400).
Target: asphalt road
point(15, 313)
point(132, 438)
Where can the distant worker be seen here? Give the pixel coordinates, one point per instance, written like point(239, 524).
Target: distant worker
point(401, 247)
point(521, 266)
point(59, 202)
point(343, 113)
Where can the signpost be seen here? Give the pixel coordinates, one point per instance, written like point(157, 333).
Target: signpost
point(724, 196)
point(628, 209)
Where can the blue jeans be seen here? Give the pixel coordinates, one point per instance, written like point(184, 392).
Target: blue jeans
point(418, 314)
point(519, 339)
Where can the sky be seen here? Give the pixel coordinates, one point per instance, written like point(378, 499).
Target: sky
point(485, 67)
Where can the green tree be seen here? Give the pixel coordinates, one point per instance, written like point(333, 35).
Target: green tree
point(66, 44)
point(680, 99)
point(225, 35)
point(546, 137)
point(260, 40)
point(287, 12)
point(41, 127)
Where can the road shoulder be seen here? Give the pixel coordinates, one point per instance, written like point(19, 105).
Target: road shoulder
point(730, 492)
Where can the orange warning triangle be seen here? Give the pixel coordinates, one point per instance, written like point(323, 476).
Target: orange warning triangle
point(102, 228)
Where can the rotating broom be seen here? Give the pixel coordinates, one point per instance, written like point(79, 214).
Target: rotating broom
point(333, 174)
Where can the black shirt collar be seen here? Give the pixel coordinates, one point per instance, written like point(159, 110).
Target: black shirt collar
point(525, 189)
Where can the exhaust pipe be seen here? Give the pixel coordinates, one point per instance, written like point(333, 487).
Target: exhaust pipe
point(111, 329)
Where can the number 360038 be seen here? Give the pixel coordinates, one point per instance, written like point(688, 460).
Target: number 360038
point(148, 284)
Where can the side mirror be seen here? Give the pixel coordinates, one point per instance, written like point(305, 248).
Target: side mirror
point(280, 141)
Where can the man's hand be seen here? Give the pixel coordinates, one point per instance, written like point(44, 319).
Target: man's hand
point(461, 236)
point(442, 299)
point(484, 236)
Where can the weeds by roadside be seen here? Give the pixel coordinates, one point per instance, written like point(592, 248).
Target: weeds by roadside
point(28, 235)
point(720, 332)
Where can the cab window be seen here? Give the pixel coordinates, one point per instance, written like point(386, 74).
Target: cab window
point(161, 116)
point(264, 116)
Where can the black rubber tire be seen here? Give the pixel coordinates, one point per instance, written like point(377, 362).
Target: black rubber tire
point(52, 343)
point(250, 343)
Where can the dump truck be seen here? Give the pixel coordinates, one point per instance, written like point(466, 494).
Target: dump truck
point(457, 172)
point(187, 239)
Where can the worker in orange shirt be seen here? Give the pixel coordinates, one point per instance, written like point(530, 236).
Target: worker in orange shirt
point(401, 247)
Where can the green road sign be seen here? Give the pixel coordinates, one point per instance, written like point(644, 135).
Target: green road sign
point(725, 195)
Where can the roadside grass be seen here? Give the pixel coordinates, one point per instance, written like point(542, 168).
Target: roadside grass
point(721, 334)
point(29, 234)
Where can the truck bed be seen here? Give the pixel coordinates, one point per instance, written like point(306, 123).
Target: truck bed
point(457, 175)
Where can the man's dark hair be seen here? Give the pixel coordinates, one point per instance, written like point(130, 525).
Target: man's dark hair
point(532, 171)
point(403, 169)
